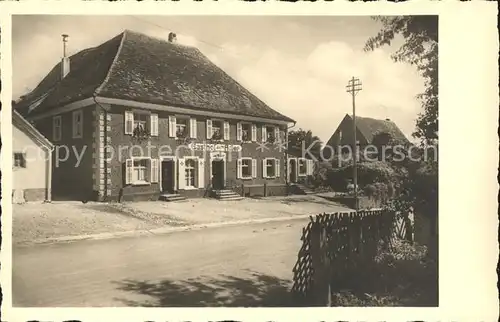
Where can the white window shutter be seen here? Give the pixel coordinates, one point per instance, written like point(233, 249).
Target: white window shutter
point(172, 126)
point(129, 171)
point(264, 168)
point(254, 168)
point(153, 120)
point(238, 169)
point(239, 131)
point(129, 122)
point(264, 133)
point(310, 167)
point(182, 173)
point(154, 170)
point(277, 167)
point(192, 128)
point(226, 131)
point(201, 173)
point(277, 134)
point(254, 132)
point(209, 129)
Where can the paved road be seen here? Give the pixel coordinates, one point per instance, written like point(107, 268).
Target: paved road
point(248, 265)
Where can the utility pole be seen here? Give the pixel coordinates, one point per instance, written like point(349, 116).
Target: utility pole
point(353, 87)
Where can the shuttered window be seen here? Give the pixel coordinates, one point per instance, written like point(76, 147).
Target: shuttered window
point(139, 171)
point(247, 168)
point(77, 124)
point(57, 128)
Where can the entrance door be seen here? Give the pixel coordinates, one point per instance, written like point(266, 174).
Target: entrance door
point(218, 174)
point(292, 170)
point(168, 176)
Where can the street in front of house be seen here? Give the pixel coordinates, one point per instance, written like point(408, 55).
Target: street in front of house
point(246, 263)
point(243, 265)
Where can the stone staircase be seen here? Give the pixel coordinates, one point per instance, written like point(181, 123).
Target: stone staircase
point(302, 189)
point(226, 194)
point(170, 197)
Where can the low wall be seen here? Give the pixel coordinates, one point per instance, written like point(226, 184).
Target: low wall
point(33, 194)
point(350, 202)
point(261, 190)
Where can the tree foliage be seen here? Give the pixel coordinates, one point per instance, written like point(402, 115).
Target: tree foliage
point(420, 48)
point(301, 140)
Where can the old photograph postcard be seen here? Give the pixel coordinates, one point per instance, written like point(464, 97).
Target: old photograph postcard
point(159, 157)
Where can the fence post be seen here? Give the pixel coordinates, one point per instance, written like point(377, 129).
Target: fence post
point(242, 190)
point(321, 278)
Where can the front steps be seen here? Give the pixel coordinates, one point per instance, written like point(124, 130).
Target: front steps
point(302, 189)
point(225, 194)
point(170, 197)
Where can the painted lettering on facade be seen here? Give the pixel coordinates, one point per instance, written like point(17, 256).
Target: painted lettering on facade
point(215, 147)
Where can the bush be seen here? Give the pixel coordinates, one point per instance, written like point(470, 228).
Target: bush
point(320, 174)
point(368, 173)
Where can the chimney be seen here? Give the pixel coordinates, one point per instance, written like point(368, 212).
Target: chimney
point(172, 37)
point(65, 60)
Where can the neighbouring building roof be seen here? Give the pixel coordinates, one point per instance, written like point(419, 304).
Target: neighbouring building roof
point(22, 124)
point(133, 66)
point(370, 127)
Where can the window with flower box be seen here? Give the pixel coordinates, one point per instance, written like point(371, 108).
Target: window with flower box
point(182, 128)
point(141, 123)
point(246, 132)
point(217, 127)
point(270, 133)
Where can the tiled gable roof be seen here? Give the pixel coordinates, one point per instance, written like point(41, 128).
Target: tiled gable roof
point(22, 124)
point(370, 127)
point(136, 67)
point(88, 69)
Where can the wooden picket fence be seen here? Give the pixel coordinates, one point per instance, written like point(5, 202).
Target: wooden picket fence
point(334, 245)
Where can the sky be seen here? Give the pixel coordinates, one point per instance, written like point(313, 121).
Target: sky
point(298, 65)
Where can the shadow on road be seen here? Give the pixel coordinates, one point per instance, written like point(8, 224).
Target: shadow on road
point(256, 291)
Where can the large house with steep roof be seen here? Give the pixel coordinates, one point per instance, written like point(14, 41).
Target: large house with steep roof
point(140, 117)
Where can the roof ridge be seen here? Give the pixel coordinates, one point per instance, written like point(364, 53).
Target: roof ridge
point(108, 75)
